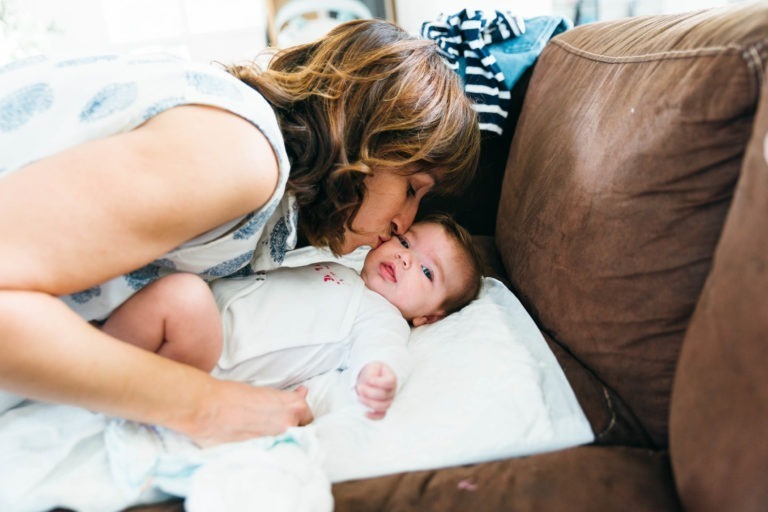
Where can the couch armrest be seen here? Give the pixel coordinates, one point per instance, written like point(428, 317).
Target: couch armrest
point(719, 414)
point(618, 182)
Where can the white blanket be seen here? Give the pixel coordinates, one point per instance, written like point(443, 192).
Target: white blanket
point(484, 386)
point(56, 455)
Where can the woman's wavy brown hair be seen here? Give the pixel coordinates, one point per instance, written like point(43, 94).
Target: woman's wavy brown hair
point(366, 96)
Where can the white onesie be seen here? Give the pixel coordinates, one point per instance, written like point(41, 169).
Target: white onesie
point(290, 324)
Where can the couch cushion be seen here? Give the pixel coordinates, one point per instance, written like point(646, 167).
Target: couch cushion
point(579, 479)
point(475, 208)
point(719, 411)
point(610, 419)
point(618, 181)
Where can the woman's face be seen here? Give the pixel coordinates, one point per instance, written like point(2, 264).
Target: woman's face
point(389, 206)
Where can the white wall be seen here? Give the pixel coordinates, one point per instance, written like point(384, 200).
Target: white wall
point(412, 13)
point(201, 29)
point(228, 30)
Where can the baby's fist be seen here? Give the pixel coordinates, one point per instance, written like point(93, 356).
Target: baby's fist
point(376, 387)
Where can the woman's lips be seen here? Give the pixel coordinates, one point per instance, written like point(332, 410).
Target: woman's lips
point(387, 272)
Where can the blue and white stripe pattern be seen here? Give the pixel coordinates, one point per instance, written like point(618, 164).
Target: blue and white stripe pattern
point(467, 34)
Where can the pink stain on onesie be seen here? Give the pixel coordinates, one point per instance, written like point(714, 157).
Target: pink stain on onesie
point(329, 276)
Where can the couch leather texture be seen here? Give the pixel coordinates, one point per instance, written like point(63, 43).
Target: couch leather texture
point(720, 397)
point(620, 176)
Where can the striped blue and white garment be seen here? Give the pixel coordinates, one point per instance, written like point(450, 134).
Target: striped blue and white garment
point(468, 34)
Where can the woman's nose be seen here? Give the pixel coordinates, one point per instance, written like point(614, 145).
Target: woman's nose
point(404, 218)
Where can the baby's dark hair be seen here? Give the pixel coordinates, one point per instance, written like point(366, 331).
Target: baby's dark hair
point(473, 261)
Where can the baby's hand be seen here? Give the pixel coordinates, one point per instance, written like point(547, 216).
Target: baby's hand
point(376, 387)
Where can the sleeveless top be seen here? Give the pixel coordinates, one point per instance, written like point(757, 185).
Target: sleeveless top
point(47, 106)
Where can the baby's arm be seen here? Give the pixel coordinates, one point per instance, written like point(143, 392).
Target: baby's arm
point(379, 362)
point(376, 387)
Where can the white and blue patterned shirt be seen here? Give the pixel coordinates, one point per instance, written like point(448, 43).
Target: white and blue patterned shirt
point(47, 106)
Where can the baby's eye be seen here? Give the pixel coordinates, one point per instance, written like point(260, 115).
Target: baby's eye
point(403, 241)
point(427, 272)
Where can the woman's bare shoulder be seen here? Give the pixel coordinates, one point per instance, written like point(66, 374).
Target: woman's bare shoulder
point(146, 191)
point(216, 147)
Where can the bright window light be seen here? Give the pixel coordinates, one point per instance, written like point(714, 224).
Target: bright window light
point(142, 20)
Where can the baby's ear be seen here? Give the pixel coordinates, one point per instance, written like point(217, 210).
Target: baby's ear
point(428, 319)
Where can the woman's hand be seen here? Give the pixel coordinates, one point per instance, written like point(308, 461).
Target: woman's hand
point(238, 411)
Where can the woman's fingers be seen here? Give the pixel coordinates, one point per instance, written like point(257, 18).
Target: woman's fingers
point(254, 412)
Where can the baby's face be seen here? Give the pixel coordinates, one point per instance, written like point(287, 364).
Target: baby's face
point(416, 271)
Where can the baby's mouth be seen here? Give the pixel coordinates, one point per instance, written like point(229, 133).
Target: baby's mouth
point(388, 272)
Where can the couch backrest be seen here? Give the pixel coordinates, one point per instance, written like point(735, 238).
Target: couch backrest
point(477, 207)
point(719, 413)
point(619, 178)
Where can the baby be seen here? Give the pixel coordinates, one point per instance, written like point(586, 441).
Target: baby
point(286, 326)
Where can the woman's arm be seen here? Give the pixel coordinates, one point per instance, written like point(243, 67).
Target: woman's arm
point(49, 353)
point(104, 208)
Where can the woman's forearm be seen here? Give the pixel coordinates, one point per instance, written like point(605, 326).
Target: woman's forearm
point(51, 354)
point(102, 209)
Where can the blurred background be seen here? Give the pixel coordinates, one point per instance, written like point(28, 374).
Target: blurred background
point(231, 30)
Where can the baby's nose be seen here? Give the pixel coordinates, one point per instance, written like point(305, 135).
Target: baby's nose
point(405, 258)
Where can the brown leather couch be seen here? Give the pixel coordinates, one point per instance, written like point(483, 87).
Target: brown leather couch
point(632, 222)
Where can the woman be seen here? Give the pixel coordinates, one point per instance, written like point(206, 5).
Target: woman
point(117, 170)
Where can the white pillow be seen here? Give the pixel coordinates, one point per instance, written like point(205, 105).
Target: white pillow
point(484, 386)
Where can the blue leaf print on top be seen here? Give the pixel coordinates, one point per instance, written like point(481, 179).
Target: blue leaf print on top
point(140, 278)
point(248, 229)
point(254, 222)
point(161, 106)
point(112, 98)
point(86, 295)
point(22, 63)
point(157, 58)
point(247, 271)
point(277, 241)
point(228, 267)
point(165, 263)
point(213, 85)
point(20, 106)
point(85, 60)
